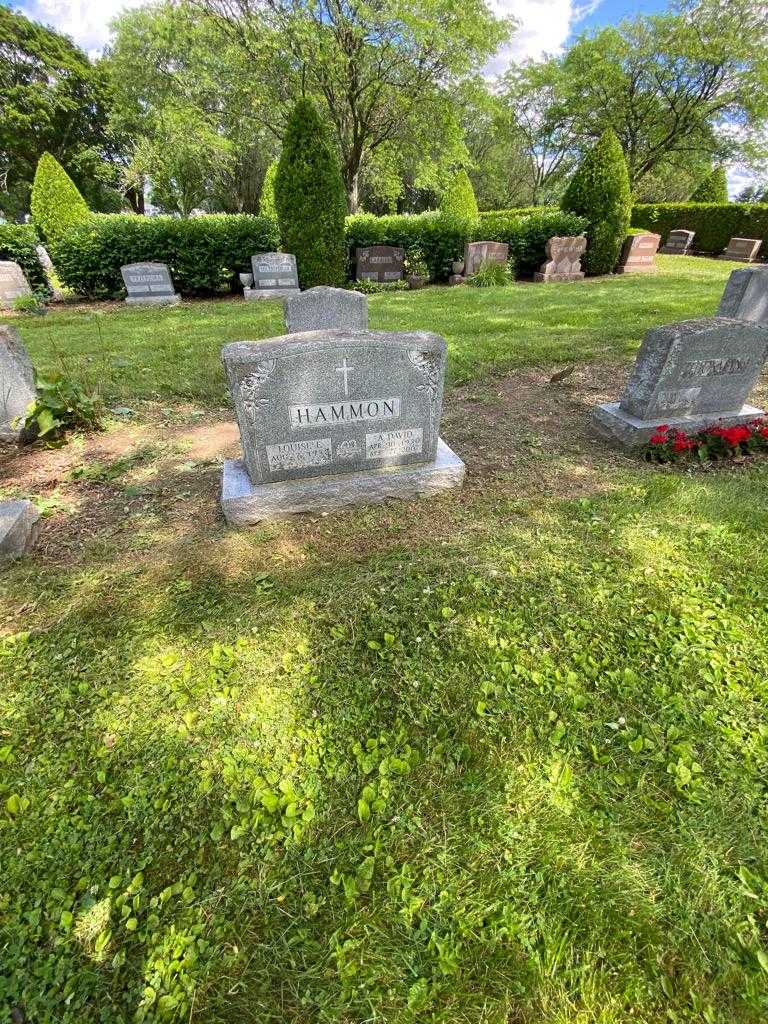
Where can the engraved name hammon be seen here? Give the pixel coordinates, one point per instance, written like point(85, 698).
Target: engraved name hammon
point(344, 412)
point(716, 367)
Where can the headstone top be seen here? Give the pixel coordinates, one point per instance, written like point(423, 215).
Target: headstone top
point(17, 383)
point(324, 308)
point(274, 272)
point(637, 254)
point(148, 283)
point(745, 249)
point(13, 283)
point(19, 527)
point(382, 263)
point(320, 403)
point(678, 242)
point(477, 253)
point(563, 259)
point(746, 295)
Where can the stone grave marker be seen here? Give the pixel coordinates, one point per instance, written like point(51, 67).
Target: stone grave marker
point(19, 527)
point(274, 276)
point(17, 383)
point(335, 417)
point(324, 308)
point(688, 375)
point(746, 295)
point(678, 243)
point(149, 284)
point(744, 250)
point(638, 254)
point(563, 259)
point(13, 283)
point(382, 263)
point(477, 253)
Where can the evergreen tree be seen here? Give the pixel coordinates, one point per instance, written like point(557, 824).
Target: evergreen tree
point(311, 199)
point(459, 198)
point(56, 202)
point(713, 189)
point(267, 199)
point(599, 191)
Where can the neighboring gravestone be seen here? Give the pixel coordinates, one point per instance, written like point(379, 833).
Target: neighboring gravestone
point(19, 527)
point(688, 375)
point(638, 255)
point(746, 295)
point(13, 283)
point(477, 253)
point(48, 271)
point(382, 263)
point(17, 384)
point(274, 276)
point(678, 243)
point(742, 250)
point(326, 309)
point(563, 259)
point(149, 284)
point(333, 418)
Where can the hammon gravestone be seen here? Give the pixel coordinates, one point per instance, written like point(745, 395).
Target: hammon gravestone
point(149, 284)
point(17, 383)
point(326, 309)
point(688, 375)
point(274, 276)
point(13, 283)
point(746, 295)
point(333, 418)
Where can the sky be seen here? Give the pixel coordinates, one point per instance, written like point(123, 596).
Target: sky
point(546, 27)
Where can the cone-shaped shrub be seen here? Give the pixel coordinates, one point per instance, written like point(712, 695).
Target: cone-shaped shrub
point(56, 202)
point(310, 199)
point(459, 198)
point(713, 189)
point(599, 191)
point(267, 199)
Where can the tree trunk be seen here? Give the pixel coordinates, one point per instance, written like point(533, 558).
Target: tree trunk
point(353, 193)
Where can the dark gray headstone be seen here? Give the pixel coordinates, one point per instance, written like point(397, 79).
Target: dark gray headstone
point(689, 375)
point(17, 383)
point(326, 309)
point(743, 250)
point(19, 527)
point(149, 284)
point(678, 243)
point(13, 283)
point(274, 276)
point(382, 263)
point(746, 295)
point(477, 253)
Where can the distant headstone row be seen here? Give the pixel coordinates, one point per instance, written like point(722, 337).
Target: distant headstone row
point(741, 250)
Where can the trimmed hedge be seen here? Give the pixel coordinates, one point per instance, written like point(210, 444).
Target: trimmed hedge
point(440, 238)
point(18, 243)
point(527, 232)
point(56, 203)
point(204, 254)
point(714, 223)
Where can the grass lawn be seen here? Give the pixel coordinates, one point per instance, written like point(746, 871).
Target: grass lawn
point(500, 757)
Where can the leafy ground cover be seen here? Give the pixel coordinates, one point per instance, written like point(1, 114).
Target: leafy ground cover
point(498, 757)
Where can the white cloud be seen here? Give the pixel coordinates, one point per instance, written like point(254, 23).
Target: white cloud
point(543, 28)
point(86, 21)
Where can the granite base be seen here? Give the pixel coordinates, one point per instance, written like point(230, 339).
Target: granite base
point(640, 269)
point(612, 422)
point(245, 503)
point(557, 278)
point(254, 294)
point(153, 300)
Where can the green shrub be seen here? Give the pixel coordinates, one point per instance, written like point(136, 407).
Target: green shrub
point(18, 243)
point(310, 199)
point(459, 199)
point(440, 239)
point(60, 406)
point(713, 189)
point(203, 254)
point(267, 206)
point(491, 274)
point(56, 203)
point(31, 305)
point(714, 223)
point(599, 191)
point(526, 232)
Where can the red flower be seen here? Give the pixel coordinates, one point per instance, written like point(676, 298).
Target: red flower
point(763, 431)
point(662, 429)
point(659, 439)
point(682, 443)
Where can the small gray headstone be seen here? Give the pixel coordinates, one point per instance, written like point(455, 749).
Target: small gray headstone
point(326, 309)
point(149, 284)
point(678, 243)
point(746, 295)
point(477, 253)
point(19, 527)
point(382, 263)
point(17, 383)
point(328, 418)
point(274, 276)
point(688, 375)
point(743, 250)
point(13, 283)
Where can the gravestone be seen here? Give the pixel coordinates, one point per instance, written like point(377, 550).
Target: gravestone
point(638, 254)
point(746, 295)
point(382, 263)
point(333, 418)
point(678, 243)
point(13, 283)
point(326, 309)
point(743, 250)
point(274, 276)
point(17, 383)
point(477, 253)
point(149, 284)
point(19, 527)
point(688, 375)
point(563, 259)
point(49, 272)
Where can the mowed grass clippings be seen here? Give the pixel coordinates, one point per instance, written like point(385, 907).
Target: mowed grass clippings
point(512, 773)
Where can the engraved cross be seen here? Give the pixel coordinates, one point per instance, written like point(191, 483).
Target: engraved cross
point(345, 370)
